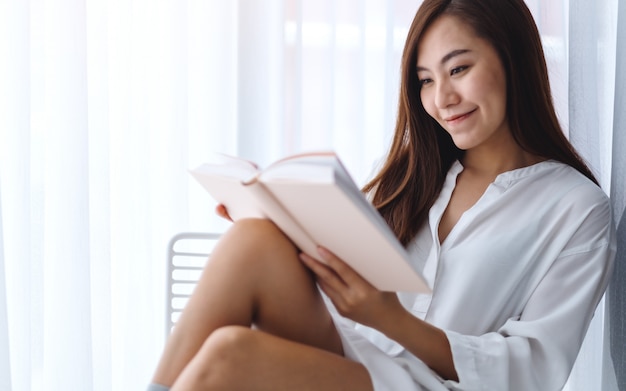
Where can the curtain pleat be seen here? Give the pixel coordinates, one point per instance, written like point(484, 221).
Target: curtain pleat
point(583, 81)
point(19, 204)
point(67, 280)
point(99, 190)
point(591, 70)
point(617, 289)
point(616, 317)
point(5, 356)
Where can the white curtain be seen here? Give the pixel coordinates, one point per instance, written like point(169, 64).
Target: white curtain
point(105, 104)
point(5, 362)
point(616, 343)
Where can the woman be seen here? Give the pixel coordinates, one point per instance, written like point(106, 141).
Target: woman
point(501, 216)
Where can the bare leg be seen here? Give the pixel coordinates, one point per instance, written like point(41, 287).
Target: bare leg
point(237, 358)
point(254, 277)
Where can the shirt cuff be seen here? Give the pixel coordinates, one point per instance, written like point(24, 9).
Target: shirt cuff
point(462, 347)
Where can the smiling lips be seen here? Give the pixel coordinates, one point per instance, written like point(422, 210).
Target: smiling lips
point(457, 118)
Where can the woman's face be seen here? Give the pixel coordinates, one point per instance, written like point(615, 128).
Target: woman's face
point(463, 83)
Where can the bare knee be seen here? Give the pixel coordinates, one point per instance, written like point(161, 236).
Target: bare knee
point(259, 235)
point(259, 229)
point(258, 246)
point(228, 349)
point(222, 358)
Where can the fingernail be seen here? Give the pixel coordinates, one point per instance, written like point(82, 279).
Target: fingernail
point(323, 252)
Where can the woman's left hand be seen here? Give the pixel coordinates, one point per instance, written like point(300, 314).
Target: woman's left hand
point(353, 296)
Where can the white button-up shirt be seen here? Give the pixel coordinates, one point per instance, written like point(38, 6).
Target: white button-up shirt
point(515, 284)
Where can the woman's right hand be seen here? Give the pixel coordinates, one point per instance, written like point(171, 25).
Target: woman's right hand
point(222, 212)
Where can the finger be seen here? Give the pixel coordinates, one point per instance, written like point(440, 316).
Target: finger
point(332, 294)
point(332, 289)
point(222, 212)
point(349, 276)
point(324, 273)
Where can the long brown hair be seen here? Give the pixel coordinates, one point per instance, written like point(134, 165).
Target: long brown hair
point(422, 152)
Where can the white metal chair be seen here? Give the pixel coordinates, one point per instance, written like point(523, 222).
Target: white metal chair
point(188, 253)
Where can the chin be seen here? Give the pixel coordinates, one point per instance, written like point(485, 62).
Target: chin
point(467, 140)
point(463, 145)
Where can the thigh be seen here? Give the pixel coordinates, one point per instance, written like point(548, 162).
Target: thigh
point(244, 359)
point(255, 278)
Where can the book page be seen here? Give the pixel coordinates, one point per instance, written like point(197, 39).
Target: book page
point(276, 212)
point(234, 184)
point(313, 199)
point(225, 185)
point(337, 215)
point(303, 167)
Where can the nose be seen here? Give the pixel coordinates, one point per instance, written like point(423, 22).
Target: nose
point(446, 94)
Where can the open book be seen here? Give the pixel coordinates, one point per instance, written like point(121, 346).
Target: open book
point(314, 201)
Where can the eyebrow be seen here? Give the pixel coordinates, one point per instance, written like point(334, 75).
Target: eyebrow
point(446, 58)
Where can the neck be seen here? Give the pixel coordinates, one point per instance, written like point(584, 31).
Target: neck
point(493, 160)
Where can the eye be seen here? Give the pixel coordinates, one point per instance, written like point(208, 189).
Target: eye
point(457, 70)
point(424, 82)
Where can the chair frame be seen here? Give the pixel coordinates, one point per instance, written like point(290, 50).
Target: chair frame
point(173, 268)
